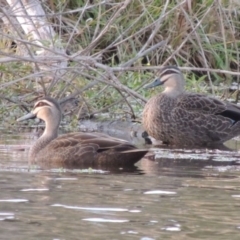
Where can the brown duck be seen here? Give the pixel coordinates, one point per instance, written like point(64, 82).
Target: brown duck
point(188, 119)
point(76, 149)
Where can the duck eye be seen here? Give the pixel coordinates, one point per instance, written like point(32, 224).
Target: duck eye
point(41, 104)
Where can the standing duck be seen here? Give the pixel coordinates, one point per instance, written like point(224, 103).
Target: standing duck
point(76, 149)
point(183, 119)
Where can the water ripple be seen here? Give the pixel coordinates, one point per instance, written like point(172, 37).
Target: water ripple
point(160, 192)
point(34, 189)
point(14, 200)
point(105, 220)
point(91, 208)
point(6, 216)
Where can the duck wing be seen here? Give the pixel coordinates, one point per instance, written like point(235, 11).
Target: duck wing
point(92, 149)
point(207, 105)
point(103, 141)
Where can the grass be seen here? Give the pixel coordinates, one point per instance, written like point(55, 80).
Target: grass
point(115, 47)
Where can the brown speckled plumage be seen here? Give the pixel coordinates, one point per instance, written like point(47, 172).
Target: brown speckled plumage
point(77, 149)
point(187, 119)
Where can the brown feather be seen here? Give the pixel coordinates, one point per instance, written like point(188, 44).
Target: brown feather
point(187, 119)
point(77, 149)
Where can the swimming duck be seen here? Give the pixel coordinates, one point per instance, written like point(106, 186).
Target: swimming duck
point(76, 149)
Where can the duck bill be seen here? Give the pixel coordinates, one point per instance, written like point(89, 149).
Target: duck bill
point(153, 84)
point(26, 117)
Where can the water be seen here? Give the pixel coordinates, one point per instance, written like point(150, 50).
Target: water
point(191, 195)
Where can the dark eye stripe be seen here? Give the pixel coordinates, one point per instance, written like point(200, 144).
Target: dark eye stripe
point(169, 70)
point(41, 104)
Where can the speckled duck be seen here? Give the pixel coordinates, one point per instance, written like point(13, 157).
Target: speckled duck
point(184, 119)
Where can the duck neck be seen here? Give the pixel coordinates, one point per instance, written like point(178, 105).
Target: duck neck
point(172, 92)
point(174, 85)
point(50, 133)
